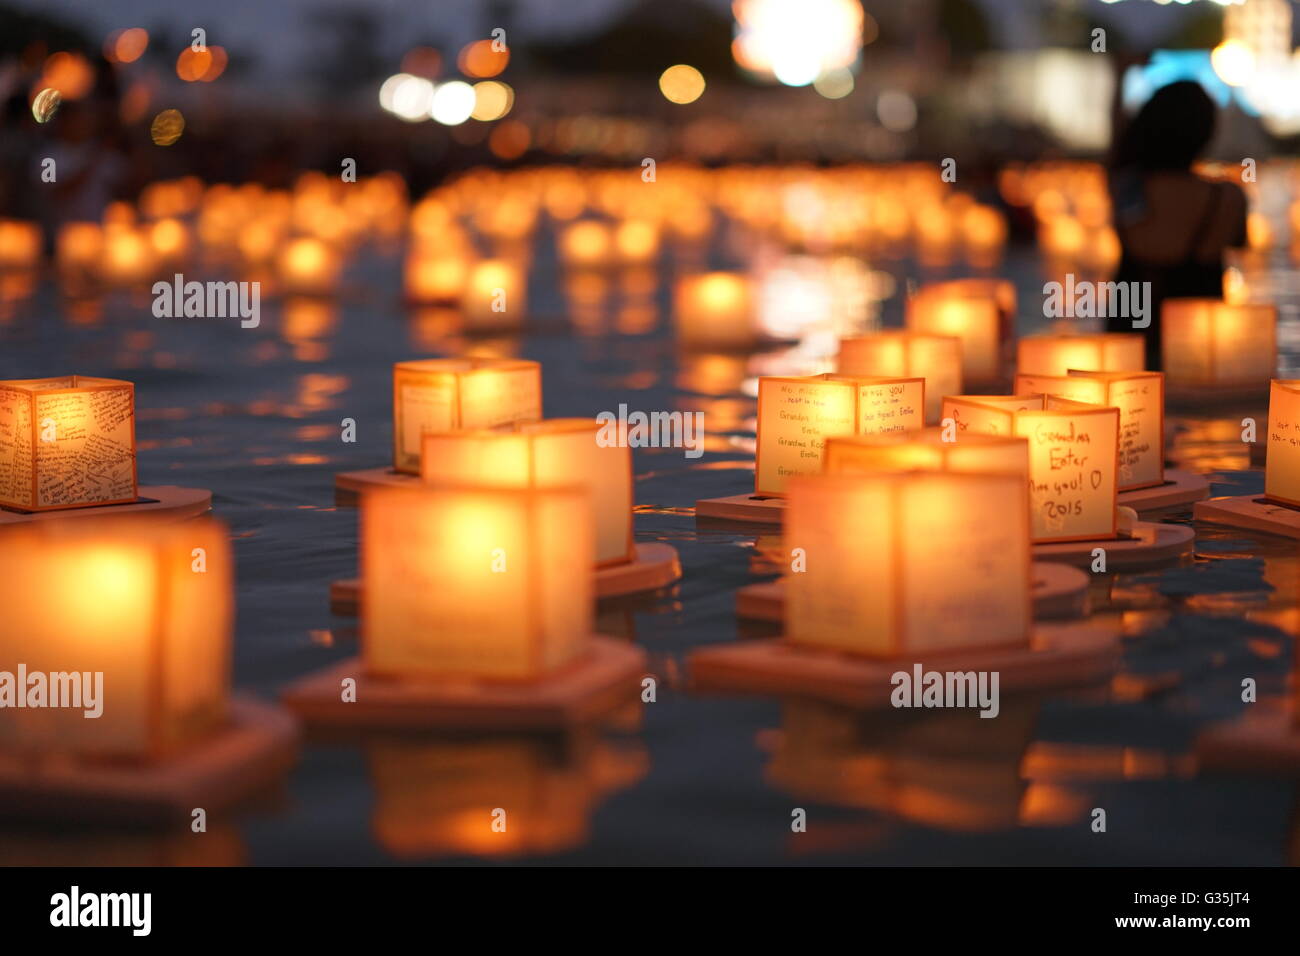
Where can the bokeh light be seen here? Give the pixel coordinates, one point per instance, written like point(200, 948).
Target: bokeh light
point(797, 41)
point(167, 127)
point(480, 60)
point(681, 84)
point(453, 103)
point(69, 73)
point(126, 46)
point(45, 105)
point(492, 100)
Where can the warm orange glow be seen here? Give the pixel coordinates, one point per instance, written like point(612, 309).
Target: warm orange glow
point(556, 453)
point(495, 295)
point(439, 395)
point(69, 73)
point(971, 313)
point(167, 127)
point(118, 596)
point(1210, 342)
point(935, 358)
point(926, 594)
point(587, 244)
point(78, 247)
point(20, 244)
point(927, 450)
point(480, 60)
point(126, 46)
point(715, 310)
point(1099, 352)
point(510, 140)
point(128, 256)
point(474, 582)
point(1282, 467)
point(309, 266)
point(431, 276)
point(681, 84)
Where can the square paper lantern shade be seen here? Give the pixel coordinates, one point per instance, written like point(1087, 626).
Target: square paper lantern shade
point(1073, 458)
point(935, 358)
point(796, 415)
point(125, 597)
point(1102, 352)
point(1282, 466)
point(1208, 342)
point(909, 562)
point(66, 443)
point(974, 319)
point(1140, 398)
point(566, 452)
point(462, 582)
point(444, 394)
point(715, 310)
point(927, 450)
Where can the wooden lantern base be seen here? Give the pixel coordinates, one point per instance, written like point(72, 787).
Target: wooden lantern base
point(168, 500)
point(1263, 741)
point(656, 566)
point(607, 676)
point(1059, 591)
point(256, 748)
point(1179, 488)
point(1252, 512)
point(350, 485)
point(1059, 655)
point(742, 509)
point(1151, 543)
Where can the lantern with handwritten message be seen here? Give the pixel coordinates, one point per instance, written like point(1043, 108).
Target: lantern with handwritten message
point(796, 415)
point(1207, 342)
point(444, 394)
point(927, 450)
point(946, 569)
point(66, 443)
point(1099, 352)
point(474, 582)
point(1073, 458)
point(1140, 398)
point(123, 598)
point(972, 313)
point(935, 358)
point(563, 452)
point(1282, 467)
point(494, 295)
point(715, 310)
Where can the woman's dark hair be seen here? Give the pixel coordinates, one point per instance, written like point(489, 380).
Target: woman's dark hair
point(1170, 130)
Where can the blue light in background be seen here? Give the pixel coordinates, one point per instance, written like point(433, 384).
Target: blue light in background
point(1170, 66)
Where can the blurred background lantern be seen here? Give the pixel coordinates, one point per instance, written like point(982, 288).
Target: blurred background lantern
point(20, 244)
point(927, 450)
point(561, 452)
point(474, 582)
point(972, 315)
point(66, 443)
point(495, 296)
point(119, 596)
point(715, 310)
point(926, 593)
point(936, 358)
point(1282, 466)
point(1100, 352)
point(439, 395)
point(1207, 342)
point(309, 266)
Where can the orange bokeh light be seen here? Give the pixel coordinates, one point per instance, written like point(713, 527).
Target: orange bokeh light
point(126, 46)
point(478, 59)
point(201, 66)
point(69, 73)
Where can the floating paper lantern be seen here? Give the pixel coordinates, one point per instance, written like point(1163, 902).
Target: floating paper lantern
point(66, 443)
point(309, 266)
point(927, 450)
point(947, 568)
point(474, 582)
point(1282, 467)
point(129, 257)
point(435, 276)
point(715, 310)
point(494, 295)
point(1206, 342)
point(586, 245)
point(796, 415)
point(1073, 458)
point(935, 358)
point(1100, 352)
point(145, 603)
point(969, 313)
point(1140, 398)
point(440, 395)
point(79, 247)
point(564, 452)
point(20, 244)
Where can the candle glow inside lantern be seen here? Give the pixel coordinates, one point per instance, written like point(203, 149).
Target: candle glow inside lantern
point(441, 395)
point(935, 358)
point(1140, 398)
point(1282, 466)
point(435, 276)
point(916, 588)
point(563, 452)
point(20, 244)
point(927, 450)
point(1099, 352)
point(1206, 342)
point(475, 582)
point(972, 314)
point(715, 309)
point(66, 442)
point(1073, 458)
point(796, 415)
point(309, 266)
point(494, 295)
point(118, 597)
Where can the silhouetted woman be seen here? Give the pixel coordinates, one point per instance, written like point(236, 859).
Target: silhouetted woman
point(1173, 226)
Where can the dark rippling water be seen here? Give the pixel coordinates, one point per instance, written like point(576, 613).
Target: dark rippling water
point(255, 416)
